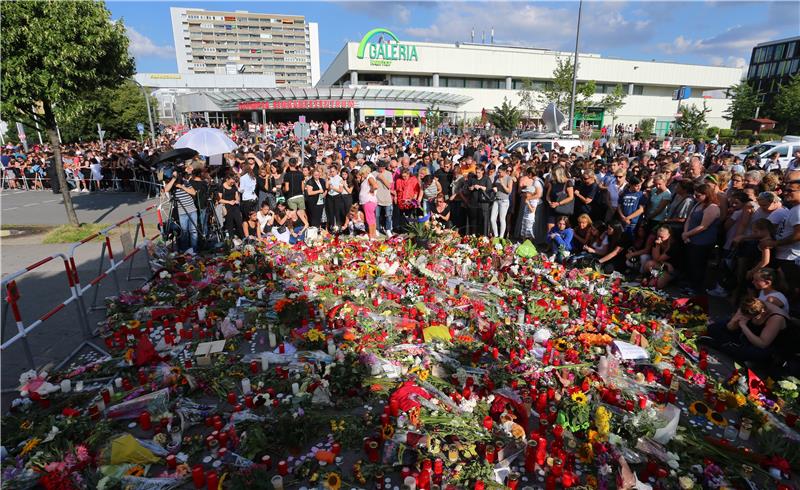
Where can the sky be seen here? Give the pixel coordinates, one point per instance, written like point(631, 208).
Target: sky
point(709, 33)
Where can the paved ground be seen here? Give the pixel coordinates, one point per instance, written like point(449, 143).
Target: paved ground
point(46, 208)
point(46, 287)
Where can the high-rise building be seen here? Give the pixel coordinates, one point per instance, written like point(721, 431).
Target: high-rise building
point(227, 43)
point(772, 64)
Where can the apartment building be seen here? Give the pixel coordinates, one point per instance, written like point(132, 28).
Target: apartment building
point(210, 42)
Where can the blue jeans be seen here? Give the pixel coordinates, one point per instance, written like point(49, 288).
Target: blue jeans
point(386, 211)
point(188, 230)
point(298, 238)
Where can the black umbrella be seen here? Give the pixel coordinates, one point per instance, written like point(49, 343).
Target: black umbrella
point(178, 154)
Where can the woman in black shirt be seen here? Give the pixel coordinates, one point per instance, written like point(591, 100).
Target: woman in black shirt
point(441, 211)
point(229, 196)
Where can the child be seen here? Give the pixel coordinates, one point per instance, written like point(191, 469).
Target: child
point(528, 211)
point(762, 228)
point(560, 238)
point(763, 280)
point(354, 221)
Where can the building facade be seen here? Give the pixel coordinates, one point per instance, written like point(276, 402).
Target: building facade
point(772, 64)
point(488, 74)
point(210, 42)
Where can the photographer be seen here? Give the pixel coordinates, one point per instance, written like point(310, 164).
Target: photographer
point(185, 207)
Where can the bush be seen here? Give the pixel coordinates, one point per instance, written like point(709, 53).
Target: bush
point(725, 133)
point(744, 133)
point(646, 126)
point(712, 132)
point(769, 136)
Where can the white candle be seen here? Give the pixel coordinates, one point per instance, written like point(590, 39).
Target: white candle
point(79, 386)
point(66, 385)
point(101, 405)
point(331, 348)
point(277, 482)
point(272, 340)
point(178, 328)
point(264, 362)
point(246, 386)
point(111, 389)
point(118, 382)
point(295, 388)
point(201, 313)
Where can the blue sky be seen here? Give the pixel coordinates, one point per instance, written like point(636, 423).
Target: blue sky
point(709, 33)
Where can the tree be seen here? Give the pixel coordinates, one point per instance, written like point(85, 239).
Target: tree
point(744, 102)
point(527, 98)
point(59, 55)
point(506, 117)
point(787, 104)
point(692, 121)
point(559, 91)
point(614, 101)
point(433, 118)
point(646, 127)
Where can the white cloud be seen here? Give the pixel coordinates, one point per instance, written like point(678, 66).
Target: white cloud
point(398, 13)
point(546, 26)
point(142, 46)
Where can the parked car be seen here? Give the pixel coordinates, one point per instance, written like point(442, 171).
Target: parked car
point(784, 148)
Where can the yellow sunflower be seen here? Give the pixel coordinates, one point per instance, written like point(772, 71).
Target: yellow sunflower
point(387, 432)
point(717, 419)
point(315, 335)
point(579, 397)
point(699, 408)
point(333, 481)
point(561, 345)
point(29, 446)
point(134, 323)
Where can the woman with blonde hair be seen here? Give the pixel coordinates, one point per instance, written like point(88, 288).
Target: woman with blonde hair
point(368, 198)
point(751, 333)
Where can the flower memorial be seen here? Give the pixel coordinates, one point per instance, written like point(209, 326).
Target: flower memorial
point(464, 363)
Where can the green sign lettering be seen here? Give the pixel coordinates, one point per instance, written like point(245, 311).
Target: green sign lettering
point(382, 53)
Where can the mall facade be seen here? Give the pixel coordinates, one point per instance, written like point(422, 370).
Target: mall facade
point(387, 78)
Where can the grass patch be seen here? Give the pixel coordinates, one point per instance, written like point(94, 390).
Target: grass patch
point(70, 234)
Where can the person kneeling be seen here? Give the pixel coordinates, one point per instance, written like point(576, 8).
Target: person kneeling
point(750, 334)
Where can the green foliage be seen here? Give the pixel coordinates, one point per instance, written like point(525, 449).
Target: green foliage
point(744, 102)
point(527, 98)
point(56, 57)
point(559, 91)
point(506, 117)
point(744, 133)
point(692, 123)
point(646, 126)
point(769, 136)
point(787, 104)
point(724, 133)
point(712, 132)
point(614, 101)
point(433, 118)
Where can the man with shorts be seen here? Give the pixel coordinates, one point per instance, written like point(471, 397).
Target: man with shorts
point(293, 188)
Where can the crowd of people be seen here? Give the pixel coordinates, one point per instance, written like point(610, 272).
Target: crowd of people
point(664, 215)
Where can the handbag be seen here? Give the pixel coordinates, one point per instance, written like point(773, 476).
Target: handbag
point(567, 208)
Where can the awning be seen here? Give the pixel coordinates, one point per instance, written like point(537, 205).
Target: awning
point(330, 97)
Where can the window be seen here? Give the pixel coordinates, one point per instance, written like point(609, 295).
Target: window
point(779, 49)
point(420, 81)
point(793, 66)
point(490, 83)
point(638, 90)
point(399, 80)
point(472, 83)
point(790, 50)
point(451, 82)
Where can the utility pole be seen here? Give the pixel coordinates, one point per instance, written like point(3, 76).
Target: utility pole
point(575, 68)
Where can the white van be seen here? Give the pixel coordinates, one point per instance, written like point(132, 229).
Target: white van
point(784, 148)
point(547, 142)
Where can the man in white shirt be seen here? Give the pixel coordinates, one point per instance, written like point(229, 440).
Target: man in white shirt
point(787, 237)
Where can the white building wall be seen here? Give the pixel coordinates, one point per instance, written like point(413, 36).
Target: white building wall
point(487, 61)
point(313, 39)
point(178, 16)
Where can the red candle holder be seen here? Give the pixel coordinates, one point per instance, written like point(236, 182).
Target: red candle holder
point(232, 398)
point(557, 468)
point(373, 451)
point(266, 462)
point(283, 468)
point(212, 480)
point(198, 476)
point(144, 420)
point(336, 448)
point(530, 456)
point(172, 461)
point(489, 453)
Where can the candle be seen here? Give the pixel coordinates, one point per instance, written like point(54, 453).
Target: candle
point(283, 468)
point(254, 367)
point(373, 453)
point(172, 462)
point(66, 385)
point(106, 394)
point(489, 454)
point(277, 482)
point(530, 456)
point(394, 407)
point(201, 313)
point(246, 386)
point(667, 377)
point(212, 480)
point(266, 462)
point(272, 340)
point(264, 361)
point(281, 348)
point(118, 383)
point(336, 448)
point(295, 388)
point(198, 477)
point(79, 386)
point(101, 405)
point(144, 420)
point(232, 398)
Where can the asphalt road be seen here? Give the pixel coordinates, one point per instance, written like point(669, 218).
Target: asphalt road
point(46, 287)
point(46, 208)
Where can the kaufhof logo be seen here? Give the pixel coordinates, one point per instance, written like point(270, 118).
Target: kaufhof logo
point(382, 47)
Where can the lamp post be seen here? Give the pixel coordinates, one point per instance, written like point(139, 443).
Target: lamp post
point(149, 113)
point(575, 69)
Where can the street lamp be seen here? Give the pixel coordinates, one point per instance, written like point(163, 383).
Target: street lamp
point(575, 69)
point(149, 113)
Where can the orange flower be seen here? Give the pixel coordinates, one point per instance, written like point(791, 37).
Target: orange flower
point(281, 304)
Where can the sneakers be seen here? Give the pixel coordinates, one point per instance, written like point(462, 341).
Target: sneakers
point(718, 292)
point(388, 233)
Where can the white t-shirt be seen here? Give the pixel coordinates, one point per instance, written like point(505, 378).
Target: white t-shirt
point(335, 182)
point(785, 229)
point(364, 195)
point(247, 186)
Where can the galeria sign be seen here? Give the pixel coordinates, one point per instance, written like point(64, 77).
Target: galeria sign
point(388, 48)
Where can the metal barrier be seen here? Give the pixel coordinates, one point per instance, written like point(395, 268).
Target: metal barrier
point(13, 296)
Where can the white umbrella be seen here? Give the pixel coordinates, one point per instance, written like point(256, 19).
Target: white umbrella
point(206, 141)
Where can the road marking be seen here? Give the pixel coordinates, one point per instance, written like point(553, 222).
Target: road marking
point(11, 209)
point(31, 204)
point(51, 200)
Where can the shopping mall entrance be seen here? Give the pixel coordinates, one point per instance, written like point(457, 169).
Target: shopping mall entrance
point(292, 116)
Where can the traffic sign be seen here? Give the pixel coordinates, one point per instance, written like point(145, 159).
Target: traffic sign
point(140, 128)
point(302, 130)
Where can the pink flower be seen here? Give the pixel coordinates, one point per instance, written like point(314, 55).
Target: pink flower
point(82, 452)
point(55, 467)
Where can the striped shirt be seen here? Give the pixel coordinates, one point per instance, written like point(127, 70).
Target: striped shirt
point(185, 201)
